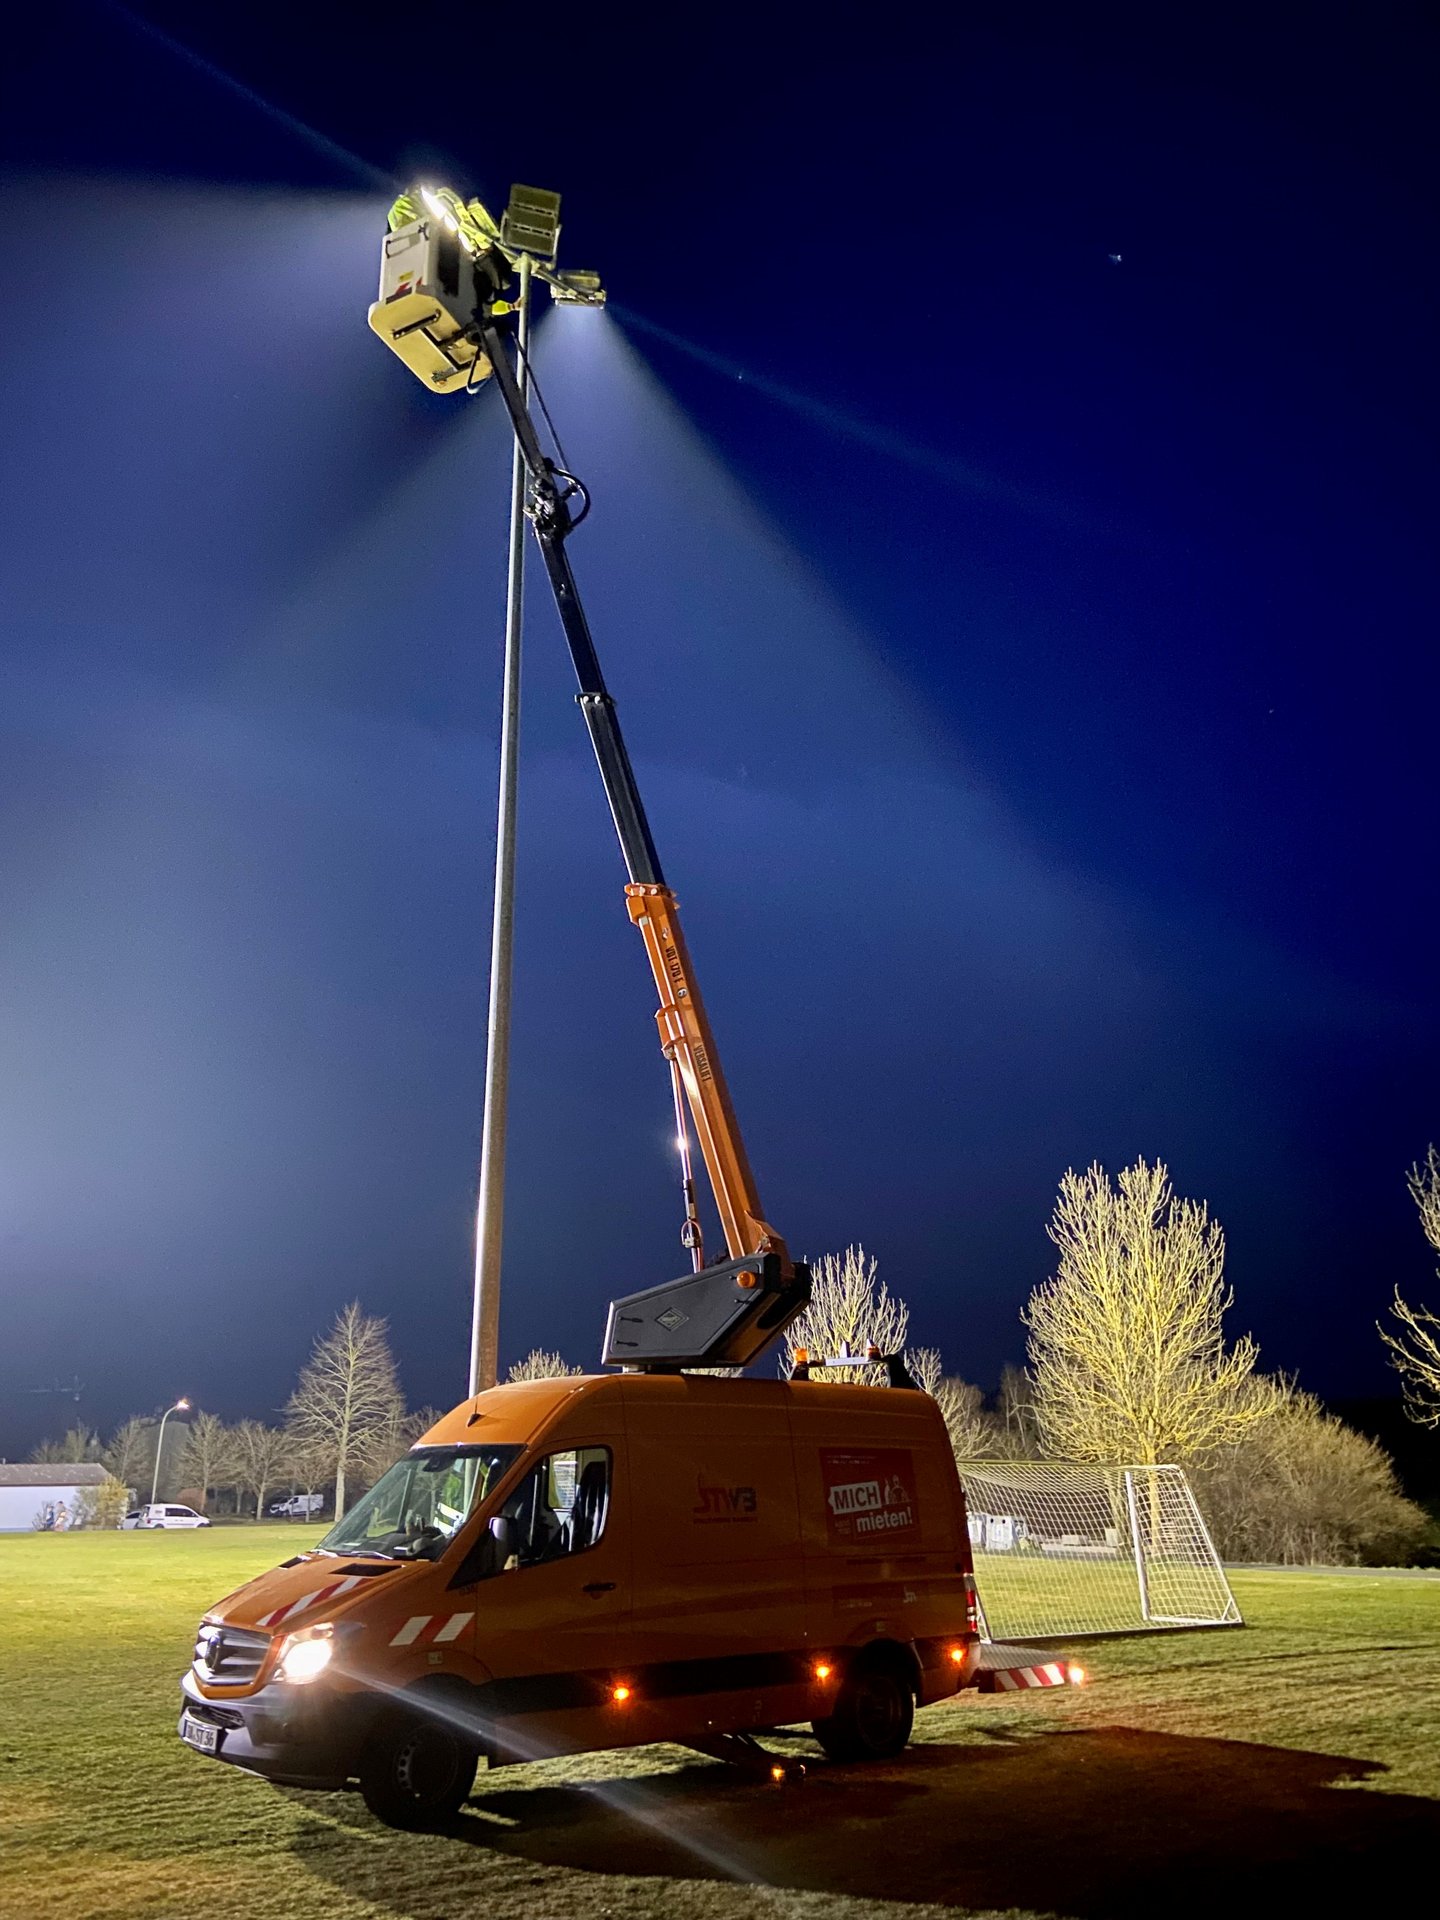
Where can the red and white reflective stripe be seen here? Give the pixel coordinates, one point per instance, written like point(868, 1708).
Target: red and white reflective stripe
point(1017, 1679)
point(312, 1599)
point(431, 1629)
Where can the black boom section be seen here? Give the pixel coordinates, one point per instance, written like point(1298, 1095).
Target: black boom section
point(550, 518)
point(723, 1316)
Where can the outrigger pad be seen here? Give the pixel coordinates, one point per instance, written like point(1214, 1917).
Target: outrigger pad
point(723, 1316)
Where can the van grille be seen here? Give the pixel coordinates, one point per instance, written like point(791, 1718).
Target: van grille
point(229, 1656)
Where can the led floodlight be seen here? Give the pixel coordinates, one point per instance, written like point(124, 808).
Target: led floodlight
point(532, 223)
point(577, 290)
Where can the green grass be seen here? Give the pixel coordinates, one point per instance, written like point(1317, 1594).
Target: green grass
point(1290, 1768)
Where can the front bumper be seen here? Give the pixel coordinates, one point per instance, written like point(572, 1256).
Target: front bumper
point(307, 1736)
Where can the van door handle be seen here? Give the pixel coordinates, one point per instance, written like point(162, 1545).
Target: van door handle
point(597, 1587)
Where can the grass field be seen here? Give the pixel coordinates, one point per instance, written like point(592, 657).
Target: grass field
point(1292, 1768)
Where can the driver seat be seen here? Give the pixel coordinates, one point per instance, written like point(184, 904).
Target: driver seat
point(592, 1501)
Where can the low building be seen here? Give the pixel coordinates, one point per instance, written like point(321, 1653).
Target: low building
point(28, 1493)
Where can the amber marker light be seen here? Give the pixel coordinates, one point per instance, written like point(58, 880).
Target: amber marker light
point(822, 1671)
point(620, 1695)
point(957, 1654)
point(777, 1773)
point(1077, 1676)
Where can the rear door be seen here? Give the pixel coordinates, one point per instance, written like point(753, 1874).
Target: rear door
point(884, 1552)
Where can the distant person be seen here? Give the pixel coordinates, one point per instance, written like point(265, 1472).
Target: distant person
point(62, 1516)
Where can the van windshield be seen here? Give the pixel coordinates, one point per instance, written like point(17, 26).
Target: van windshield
point(416, 1509)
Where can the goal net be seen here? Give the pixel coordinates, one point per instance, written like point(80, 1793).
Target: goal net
point(1063, 1549)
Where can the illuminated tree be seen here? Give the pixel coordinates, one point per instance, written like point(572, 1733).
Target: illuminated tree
point(347, 1397)
point(1126, 1347)
point(959, 1402)
point(1416, 1350)
point(538, 1364)
point(850, 1309)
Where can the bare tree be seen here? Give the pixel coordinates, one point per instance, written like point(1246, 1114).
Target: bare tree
point(1416, 1350)
point(539, 1364)
point(209, 1458)
point(961, 1404)
point(1126, 1346)
point(1017, 1423)
point(394, 1440)
point(306, 1466)
point(850, 1310)
point(347, 1396)
point(131, 1451)
point(80, 1443)
point(259, 1456)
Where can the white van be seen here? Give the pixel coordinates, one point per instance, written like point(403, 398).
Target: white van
point(164, 1516)
point(299, 1506)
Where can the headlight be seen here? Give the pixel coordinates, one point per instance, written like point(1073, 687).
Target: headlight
point(306, 1655)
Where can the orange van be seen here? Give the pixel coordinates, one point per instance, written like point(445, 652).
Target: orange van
point(573, 1564)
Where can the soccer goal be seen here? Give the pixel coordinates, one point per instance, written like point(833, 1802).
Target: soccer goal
point(1063, 1550)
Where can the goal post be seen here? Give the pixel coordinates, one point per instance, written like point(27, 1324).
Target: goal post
point(1065, 1550)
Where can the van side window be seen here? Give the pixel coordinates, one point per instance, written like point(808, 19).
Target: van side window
point(559, 1508)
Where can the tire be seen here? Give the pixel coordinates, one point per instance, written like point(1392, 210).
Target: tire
point(874, 1713)
point(415, 1774)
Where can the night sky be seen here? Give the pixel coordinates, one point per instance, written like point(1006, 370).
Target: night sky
point(1013, 556)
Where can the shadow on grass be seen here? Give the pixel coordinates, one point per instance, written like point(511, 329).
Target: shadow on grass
point(1089, 1824)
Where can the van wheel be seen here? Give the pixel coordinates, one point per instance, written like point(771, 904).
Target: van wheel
point(415, 1774)
point(873, 1715)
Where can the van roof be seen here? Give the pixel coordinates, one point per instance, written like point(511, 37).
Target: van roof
point(512, 1414)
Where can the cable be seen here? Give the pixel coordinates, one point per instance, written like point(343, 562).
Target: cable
point(575, 486)
point(470, 384)
point(545, 412)
point(559, 468)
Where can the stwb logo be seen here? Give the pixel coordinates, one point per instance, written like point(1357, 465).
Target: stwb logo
point(725, 1503)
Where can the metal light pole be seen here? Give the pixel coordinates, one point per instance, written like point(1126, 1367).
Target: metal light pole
point(490, 1209)
point(180, 1406)
point(426, 313)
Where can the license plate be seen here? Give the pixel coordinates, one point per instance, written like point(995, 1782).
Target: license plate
point(200, 1734)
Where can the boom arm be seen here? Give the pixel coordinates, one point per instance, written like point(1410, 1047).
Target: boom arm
point(685, 1036)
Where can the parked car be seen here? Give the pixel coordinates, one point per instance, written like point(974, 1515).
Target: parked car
point(299, 1506)
point(164, 1516)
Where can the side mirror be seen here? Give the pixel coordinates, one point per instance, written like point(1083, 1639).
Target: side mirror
point(488, 1555)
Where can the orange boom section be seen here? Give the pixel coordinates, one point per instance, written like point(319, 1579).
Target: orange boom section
point(686, 1041)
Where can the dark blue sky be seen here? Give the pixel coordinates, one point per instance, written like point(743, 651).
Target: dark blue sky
point(1029, 660)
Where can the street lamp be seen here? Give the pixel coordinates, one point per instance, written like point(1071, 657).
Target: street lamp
point(180, 1406)
point(437, 274)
